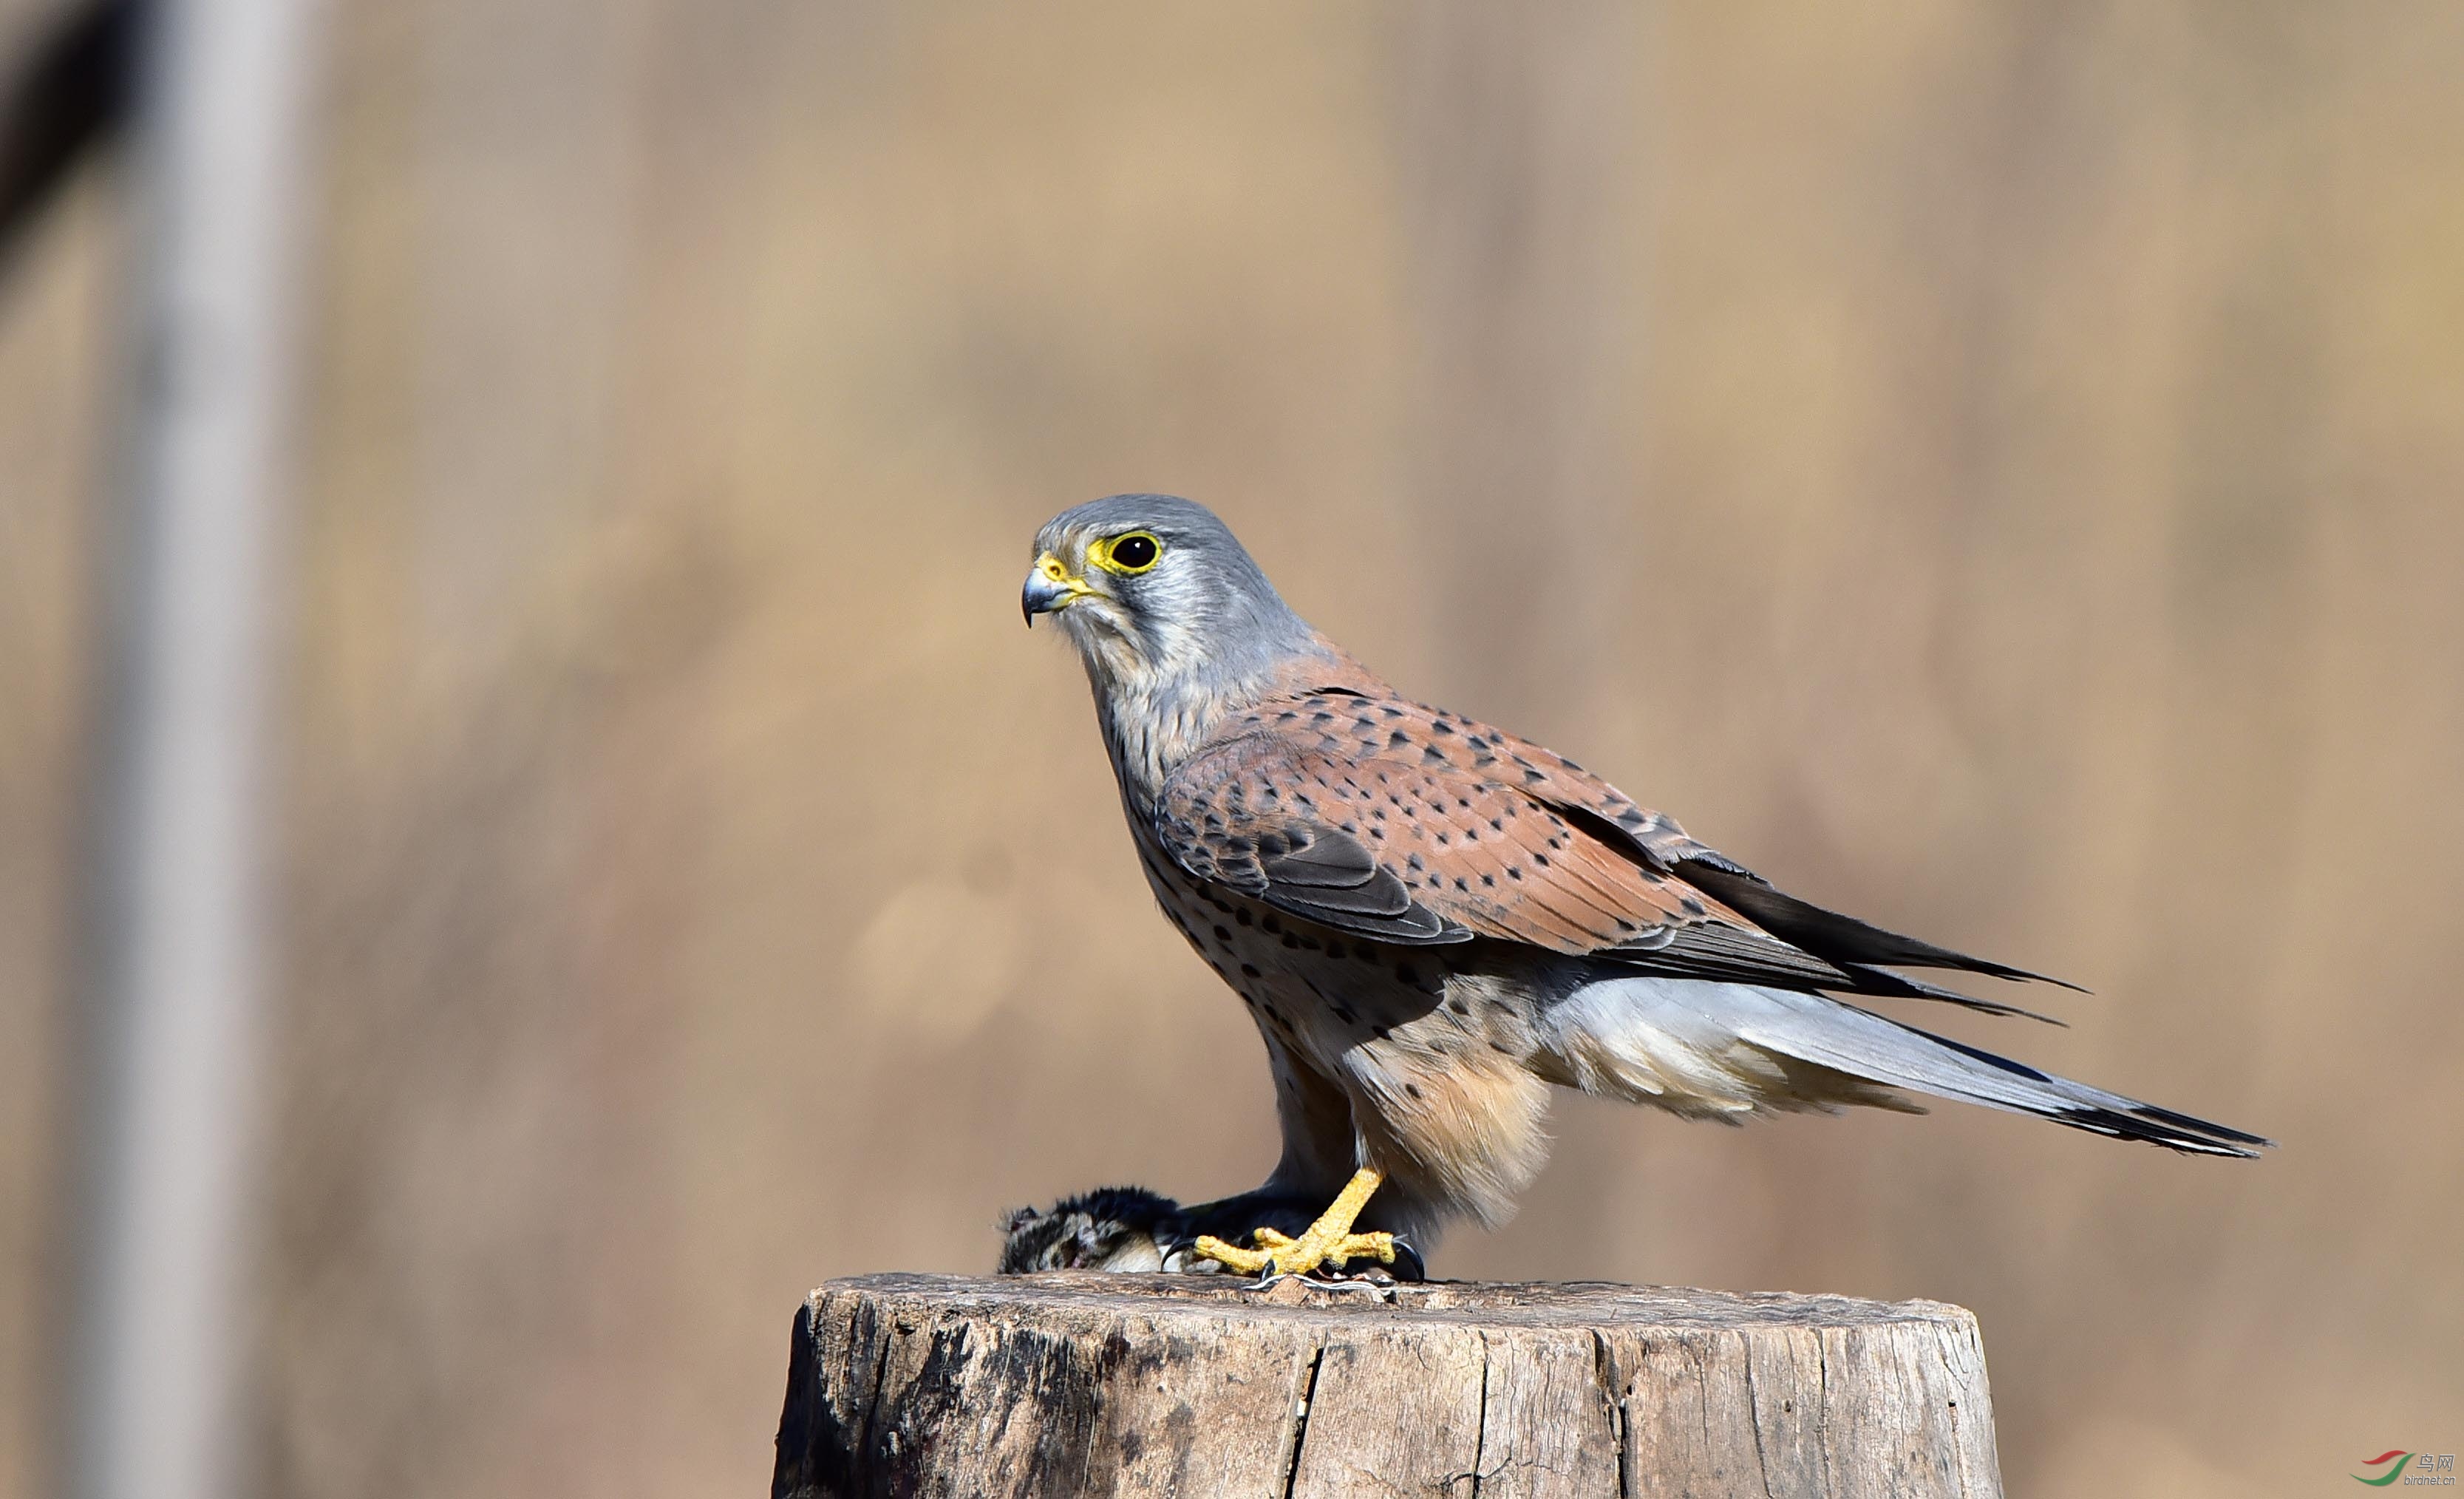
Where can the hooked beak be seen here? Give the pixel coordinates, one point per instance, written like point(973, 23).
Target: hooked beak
point(1050, 587)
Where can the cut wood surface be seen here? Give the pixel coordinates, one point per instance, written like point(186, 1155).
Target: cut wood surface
point(1081, 1383)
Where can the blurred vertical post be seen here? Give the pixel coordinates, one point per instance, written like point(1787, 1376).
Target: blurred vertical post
point(1523, 158)
point(175, 959)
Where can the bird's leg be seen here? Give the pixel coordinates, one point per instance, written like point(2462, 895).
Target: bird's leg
point(1329, 1239)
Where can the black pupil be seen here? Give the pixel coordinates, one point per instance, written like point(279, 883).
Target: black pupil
point(1135, 551)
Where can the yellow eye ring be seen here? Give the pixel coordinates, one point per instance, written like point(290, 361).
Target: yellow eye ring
point(1128, 554)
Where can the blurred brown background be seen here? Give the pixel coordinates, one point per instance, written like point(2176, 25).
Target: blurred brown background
point(1996, 468)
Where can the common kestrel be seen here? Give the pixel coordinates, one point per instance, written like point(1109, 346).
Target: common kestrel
point(1433, 921)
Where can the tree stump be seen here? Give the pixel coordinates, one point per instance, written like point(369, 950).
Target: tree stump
point(1081, 1383)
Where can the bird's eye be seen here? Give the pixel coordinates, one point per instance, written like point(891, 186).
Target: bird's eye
point(1133, 553)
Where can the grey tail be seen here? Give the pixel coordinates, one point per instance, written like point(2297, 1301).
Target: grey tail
point(1878, 1049)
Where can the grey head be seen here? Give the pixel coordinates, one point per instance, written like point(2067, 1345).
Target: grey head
point(1173, 619)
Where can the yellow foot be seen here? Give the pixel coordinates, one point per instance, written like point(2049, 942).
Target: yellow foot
point(1286, 1255)
point(1328, 1241)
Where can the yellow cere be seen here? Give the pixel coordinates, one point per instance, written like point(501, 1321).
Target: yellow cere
point(1143, 548)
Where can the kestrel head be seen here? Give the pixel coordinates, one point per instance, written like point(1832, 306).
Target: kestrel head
point(1160, 598)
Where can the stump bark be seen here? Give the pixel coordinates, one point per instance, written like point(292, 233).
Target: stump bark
point(1080, 1383)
